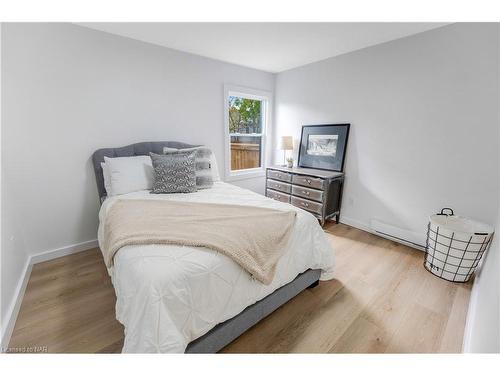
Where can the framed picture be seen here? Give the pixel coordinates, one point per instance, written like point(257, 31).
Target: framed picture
point(323, 146)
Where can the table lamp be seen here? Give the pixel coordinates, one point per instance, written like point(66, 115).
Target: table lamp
point(286, 144)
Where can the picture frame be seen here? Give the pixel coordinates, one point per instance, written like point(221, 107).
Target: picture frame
point(323, 146)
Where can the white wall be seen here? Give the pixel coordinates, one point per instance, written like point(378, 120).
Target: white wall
point(67, 91)
point(482, 334)
point(13, 251)
point(424, 132)
point(483, 321)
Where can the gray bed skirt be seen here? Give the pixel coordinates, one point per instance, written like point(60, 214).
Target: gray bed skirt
point(223, 333)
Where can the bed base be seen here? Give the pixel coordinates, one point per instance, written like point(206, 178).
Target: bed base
point(223, 333)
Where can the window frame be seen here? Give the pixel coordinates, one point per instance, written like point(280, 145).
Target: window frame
point(266, 98)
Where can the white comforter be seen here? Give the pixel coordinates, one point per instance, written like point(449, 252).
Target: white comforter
point(167, 296)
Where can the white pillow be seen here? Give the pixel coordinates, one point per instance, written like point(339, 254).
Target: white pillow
point(128, 174)
point(107, 178)
point(213, 160)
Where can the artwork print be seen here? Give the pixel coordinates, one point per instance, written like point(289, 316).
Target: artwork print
point(322, 145)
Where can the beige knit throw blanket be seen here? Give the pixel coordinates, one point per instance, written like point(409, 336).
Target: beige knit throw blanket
point(253, 237)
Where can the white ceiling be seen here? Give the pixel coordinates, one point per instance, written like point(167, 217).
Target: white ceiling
point(272, 47)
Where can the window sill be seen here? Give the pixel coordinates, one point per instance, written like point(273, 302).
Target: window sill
point(244, 175)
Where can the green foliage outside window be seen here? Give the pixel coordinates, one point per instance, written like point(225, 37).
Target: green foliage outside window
point(244, 115)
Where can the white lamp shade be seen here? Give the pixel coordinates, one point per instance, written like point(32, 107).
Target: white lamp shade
point(286, 143)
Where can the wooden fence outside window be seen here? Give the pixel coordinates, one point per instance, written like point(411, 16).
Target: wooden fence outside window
point(245, 155)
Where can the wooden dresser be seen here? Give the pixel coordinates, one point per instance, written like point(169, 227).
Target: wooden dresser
point(314, 190)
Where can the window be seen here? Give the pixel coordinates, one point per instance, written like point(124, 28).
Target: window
point(246, 124)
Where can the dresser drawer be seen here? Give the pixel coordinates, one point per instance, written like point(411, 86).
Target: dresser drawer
point(278, 185)
point(315, 195)
point(276, 195)
point(316, 183)
point(277, 175)
point(307, 205)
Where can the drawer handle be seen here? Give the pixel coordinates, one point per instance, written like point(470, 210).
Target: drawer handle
point(305, 192)
point(304, 204)
point(308, 181)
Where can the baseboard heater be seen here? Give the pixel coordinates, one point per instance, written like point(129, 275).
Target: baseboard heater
point(403, 236)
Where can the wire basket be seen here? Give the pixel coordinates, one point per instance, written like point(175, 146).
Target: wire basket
point(455, 245)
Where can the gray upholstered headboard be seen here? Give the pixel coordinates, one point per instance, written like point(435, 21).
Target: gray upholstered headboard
point(143, 148)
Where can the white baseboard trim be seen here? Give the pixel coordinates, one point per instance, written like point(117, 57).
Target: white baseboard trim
point(471, 317)
point(401, 235)
point(367, 228)
point(23, 282)
point(62, 251)
point(16, 305)
point(355, 223)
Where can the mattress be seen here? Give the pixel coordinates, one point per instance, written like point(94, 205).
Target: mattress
point(168, 296)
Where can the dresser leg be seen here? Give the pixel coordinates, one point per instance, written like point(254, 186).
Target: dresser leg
point(337, 218)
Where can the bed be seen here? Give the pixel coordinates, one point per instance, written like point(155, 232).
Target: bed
point(175, 299)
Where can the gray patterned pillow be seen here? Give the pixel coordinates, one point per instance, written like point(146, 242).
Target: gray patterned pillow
point(204, 174)
point(174, 173)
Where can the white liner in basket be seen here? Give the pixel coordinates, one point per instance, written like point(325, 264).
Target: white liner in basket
point(455, 245)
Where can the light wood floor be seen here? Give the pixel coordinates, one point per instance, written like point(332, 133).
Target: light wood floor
point(382, 300)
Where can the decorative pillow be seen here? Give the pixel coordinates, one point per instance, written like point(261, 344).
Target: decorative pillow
point(203, 164)
point(107, 178)
point(128, 174)
point(174, 173)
